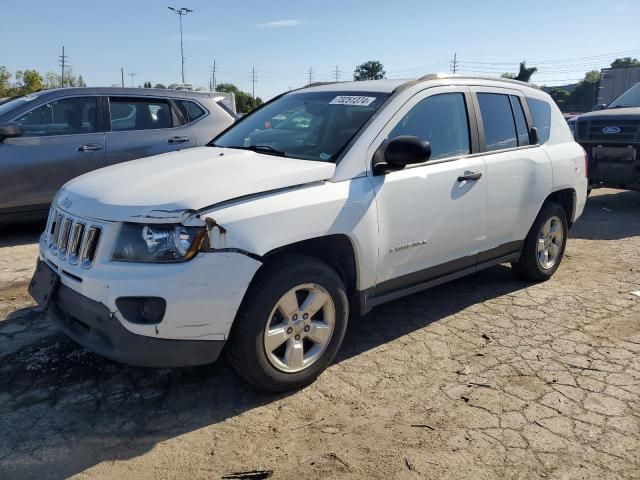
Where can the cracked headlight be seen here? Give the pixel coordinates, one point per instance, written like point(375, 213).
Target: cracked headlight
point(157, 243)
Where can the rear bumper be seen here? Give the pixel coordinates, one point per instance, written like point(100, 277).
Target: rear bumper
point(93, 326)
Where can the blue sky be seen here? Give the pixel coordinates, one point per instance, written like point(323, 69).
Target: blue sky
point(284, 38)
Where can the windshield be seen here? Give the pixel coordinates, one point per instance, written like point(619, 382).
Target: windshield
point(310, 126)
point(630, 98)
point(10, 104)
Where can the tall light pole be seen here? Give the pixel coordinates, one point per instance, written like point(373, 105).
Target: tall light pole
point(181, 12)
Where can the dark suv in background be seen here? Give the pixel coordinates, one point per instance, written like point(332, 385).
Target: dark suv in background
point(611, 137)
point(50, 137)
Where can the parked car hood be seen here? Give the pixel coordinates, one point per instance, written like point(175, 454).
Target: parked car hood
point(627, 113)
point(166, 187)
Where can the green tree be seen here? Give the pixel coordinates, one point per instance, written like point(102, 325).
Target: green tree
point(244, 101)
point(159, 85)
point(583, 97)
point(371, 70)
point(625, 62)
point(81, 81)
point(5, 76)
point(559, 96)
point(147, 85)
point(508, 75)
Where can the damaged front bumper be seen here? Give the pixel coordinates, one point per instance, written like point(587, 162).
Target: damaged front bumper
point(93, 326)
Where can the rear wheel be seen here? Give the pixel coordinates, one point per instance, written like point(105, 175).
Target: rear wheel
point(544, 246)
point(290, 325)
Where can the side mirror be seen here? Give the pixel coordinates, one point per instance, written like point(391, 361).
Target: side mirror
point(10, 130)
point(400, 152)
point(533, 136)
point(600, 106)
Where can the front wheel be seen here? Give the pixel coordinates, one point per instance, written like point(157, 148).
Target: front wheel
point(290, 325)
point(544, 246)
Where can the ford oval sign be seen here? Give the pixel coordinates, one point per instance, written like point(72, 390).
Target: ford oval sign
point(611, 130)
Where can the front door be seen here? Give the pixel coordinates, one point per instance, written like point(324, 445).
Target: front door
point(60, 140)
point(144, 126)
point(430, 217)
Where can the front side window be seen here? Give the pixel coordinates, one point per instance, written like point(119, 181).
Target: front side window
point(305, 125)
point(139, 114)
point(440, 119)
point(190, 110)
point(497, 119)
point(69, 116)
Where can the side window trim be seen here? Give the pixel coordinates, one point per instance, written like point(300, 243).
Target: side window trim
point(502, 91)
point(100, 127)
point(181, 115)
point(414, 100)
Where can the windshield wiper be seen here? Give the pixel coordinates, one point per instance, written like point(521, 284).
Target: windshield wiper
point(266, 149)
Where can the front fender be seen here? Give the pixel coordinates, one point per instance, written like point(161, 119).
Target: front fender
point(261, 224)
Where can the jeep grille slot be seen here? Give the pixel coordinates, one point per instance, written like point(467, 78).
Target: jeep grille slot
point(89, 247)
point(71, 239)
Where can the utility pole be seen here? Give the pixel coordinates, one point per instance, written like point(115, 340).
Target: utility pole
point(132, 75)
point(310, 72)
point(212, 86)
point(63, 63)
point(254, 79)
point(336, 74)
point(181, 12)
point(454, 63)
point(122, 77)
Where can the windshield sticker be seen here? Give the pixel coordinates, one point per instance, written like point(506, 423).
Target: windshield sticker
point(352, 100)
point(325, 156)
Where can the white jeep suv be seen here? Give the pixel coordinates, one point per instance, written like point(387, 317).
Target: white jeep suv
point(322, 204)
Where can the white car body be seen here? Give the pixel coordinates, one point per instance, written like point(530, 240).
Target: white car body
point(417, 223)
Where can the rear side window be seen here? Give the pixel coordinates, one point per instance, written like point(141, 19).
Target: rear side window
point(440, 119)
point(69, 116)
point(190, 110)
point(541, 115)
point(497, 119)
point(521, 121)
point(139, 114)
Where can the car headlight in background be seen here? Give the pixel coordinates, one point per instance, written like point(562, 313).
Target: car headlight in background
point(157, 243)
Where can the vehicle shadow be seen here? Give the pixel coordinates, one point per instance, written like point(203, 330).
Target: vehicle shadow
point(609, 215)
point(13, 234)
point(65, 410)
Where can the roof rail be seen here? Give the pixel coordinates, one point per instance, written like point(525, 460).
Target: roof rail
point(440, 76)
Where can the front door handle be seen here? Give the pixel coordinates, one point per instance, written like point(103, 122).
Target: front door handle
point(471, 176)
point(91, 147)
point(173, 140)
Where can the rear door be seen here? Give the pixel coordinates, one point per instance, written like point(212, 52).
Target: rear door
point(518, 173)
point(144, 126)
point(60, 140)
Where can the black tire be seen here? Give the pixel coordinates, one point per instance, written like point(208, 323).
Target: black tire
point(245, 347)
point(528, 267)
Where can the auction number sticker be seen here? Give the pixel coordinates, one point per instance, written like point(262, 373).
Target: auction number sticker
point(352, 100)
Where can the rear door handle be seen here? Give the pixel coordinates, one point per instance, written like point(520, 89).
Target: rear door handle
point(91, 147)
point(178, 140)
point(471, 176)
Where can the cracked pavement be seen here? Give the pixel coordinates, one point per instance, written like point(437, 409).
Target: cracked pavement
point(484, 377)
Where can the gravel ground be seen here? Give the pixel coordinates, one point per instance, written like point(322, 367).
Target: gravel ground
point(486, 377)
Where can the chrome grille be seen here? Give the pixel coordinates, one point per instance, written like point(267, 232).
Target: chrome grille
point(71, 239)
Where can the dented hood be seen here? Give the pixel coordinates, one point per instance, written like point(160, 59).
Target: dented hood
point(162, 188)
